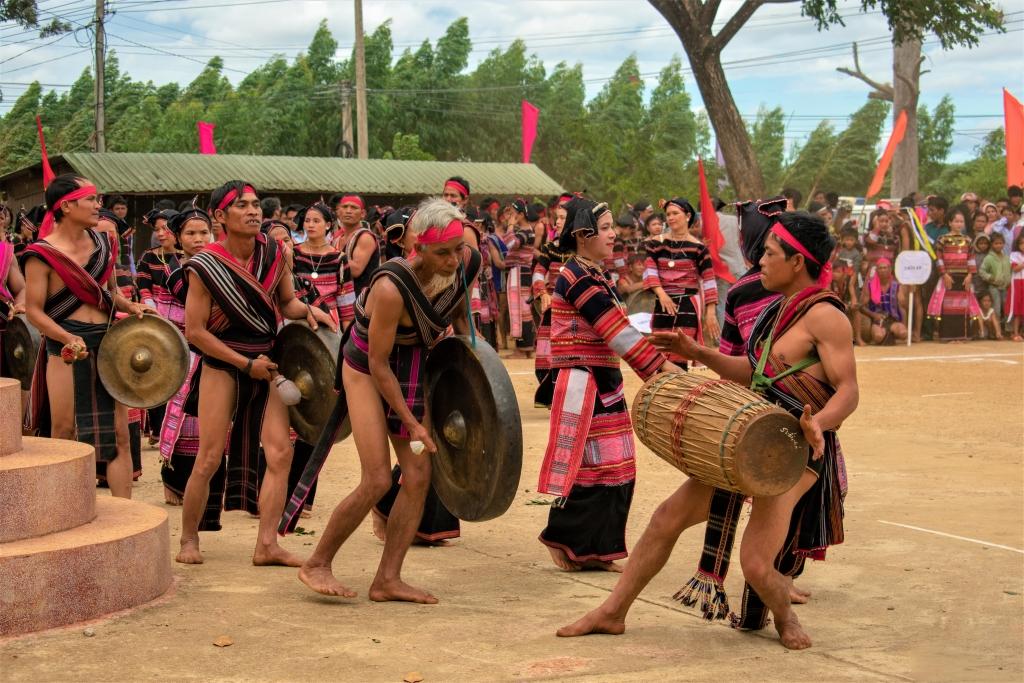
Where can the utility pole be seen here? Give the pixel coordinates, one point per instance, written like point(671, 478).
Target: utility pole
point(100, 133)
point(361, 125)
point(346, 119)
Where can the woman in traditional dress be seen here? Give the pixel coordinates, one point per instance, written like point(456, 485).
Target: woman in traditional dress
point(321, 269)
point(679, 271)
point(546, 268)
point(953, 305)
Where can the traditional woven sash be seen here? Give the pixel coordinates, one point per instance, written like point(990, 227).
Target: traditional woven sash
point(572, 411)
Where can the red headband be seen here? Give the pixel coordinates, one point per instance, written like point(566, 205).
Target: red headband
point(353, 199)
point(784, 235)
point(48, 220)
point(458, 187)
point(232, 195)
point(436, 235)
point(884, 261)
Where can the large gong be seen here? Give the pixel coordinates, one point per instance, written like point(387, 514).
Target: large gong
point(475, 422)
point(310, 360)
point(21, 348)
point(143, 361)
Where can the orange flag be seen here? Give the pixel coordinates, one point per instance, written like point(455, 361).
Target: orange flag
point(1013, 113)
point(713, 237)
point(890, 149)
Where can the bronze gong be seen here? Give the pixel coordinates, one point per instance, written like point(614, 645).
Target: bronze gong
point(310, 360)
point(475, 422)
point(143, 361)
point(21, 348)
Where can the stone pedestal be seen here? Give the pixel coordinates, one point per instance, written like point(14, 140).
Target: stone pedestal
point(66, 555)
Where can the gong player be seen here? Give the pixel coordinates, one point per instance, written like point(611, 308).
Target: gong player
point(236, 289)
point(800, 356)
point(70, 297)
point(406, 308)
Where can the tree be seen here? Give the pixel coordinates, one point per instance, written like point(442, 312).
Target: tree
point(407, 146)
point(768, 137)
point(811, 159)
point(954, 23)
point(935, 135)
point(852, 164)
point(985, 175)
point(26, 13)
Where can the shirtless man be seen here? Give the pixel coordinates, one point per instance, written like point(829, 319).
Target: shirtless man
point(70, 297)
point(404, 311)
point(807, 322)
point(236, 288)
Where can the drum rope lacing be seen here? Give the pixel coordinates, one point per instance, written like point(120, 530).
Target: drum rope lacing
point(679, 421)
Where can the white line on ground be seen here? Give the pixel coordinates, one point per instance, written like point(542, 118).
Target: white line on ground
point(951, 393)
point(964, 356)
point(959, 538)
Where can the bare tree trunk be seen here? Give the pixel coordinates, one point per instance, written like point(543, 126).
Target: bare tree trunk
point(906, 72)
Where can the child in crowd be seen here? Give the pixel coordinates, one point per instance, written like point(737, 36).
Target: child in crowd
point(989, 325)
point(994, 272)
point(982, 246)
point(1015, 298)
point(850, 249)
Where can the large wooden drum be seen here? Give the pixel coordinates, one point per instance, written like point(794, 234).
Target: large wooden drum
point(720, 433)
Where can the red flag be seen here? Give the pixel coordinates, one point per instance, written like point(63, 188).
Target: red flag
point(206, 145)
point(530, 116)
point(1013, 114)
point(48, 174)
point(713, 237)
point(890, 149)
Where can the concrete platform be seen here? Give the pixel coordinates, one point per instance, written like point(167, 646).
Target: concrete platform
point(120, 559)
point(48, 486)
point(10, 416)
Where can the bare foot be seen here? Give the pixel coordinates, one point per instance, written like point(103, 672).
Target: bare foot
point(439, 543)
point(791, 633)
point(595, 621)
point(797, 595)
point(562, 560)
point(306, 514)
point(171, 498)
point(274, 556)
point(398, 590)
point(189, 553)
point(380, 526)
point(602, 566)
point(322, 581)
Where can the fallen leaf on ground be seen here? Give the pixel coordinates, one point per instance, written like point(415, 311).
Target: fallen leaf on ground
point(413, 677)
point(223, 641)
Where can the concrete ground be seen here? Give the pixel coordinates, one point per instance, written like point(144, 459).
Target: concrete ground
point(928, 585)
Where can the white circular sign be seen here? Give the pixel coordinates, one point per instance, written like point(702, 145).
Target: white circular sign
point(913, 267)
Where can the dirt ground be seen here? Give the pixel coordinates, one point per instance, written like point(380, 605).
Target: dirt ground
point(936, 444)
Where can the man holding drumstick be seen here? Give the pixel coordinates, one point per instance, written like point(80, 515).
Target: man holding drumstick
point(800, 354)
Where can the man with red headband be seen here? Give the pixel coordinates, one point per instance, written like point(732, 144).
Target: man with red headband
point(70, 297)
point(362, 246)
point(406, 309)
point(800, 356)
point(236, 288)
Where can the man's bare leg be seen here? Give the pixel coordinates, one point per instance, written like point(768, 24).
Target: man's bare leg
point(216, 405)
point(402, 523)
point(762, 540)
point(277, 448)
point(684, 508)
point(370, 435)
point(119, 470)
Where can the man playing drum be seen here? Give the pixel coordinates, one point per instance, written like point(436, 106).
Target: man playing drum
point(805, 340)
point(70, 298)
point(404, 311)
point(236, 288)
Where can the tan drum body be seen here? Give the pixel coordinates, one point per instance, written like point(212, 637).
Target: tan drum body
point(720, 433)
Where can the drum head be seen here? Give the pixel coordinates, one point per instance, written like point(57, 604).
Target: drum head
point(21, 348)
point(310, 360)
point(475, 422)
point(771, 454)
point(143, 361)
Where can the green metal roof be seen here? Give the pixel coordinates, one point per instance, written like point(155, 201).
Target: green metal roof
point(155, 173)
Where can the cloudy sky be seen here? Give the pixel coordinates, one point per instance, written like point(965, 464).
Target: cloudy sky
point(778, 59)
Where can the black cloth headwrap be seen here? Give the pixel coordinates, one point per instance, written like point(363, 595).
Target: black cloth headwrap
point(122, 226)
point(756, 218)
point(685, 206)
point(519, 205)
point(320, 207)
point(178, 221)
point(267, 225)
point(396, 222)
point(580, 220)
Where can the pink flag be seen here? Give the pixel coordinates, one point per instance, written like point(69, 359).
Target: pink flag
point(712, 234)
point(48, 174)
point(530, 116)
point(890, 149)
point(1013, 113)
point(206, 145)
